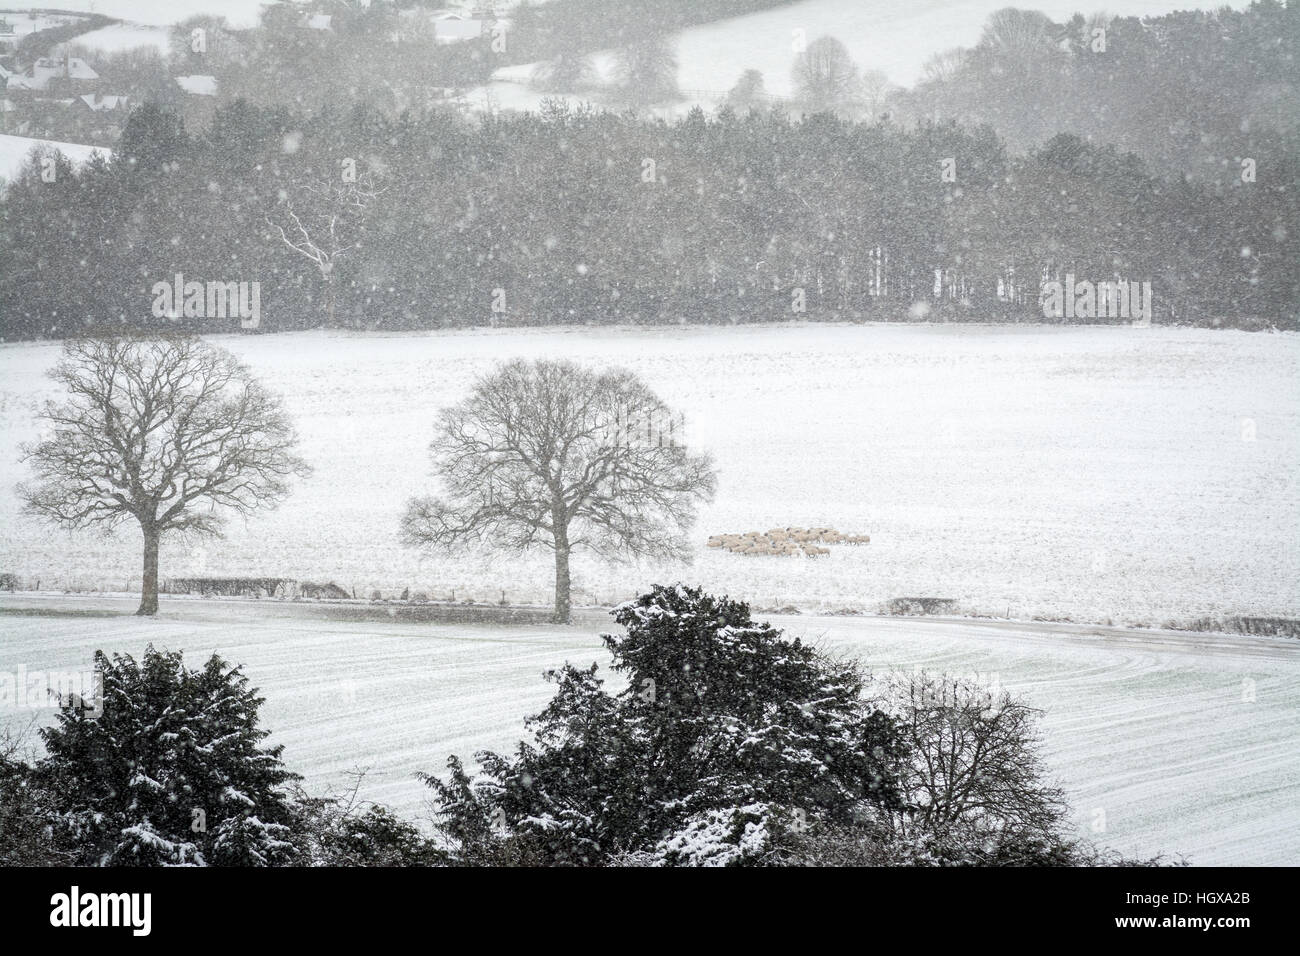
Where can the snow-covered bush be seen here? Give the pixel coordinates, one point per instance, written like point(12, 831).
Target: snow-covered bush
point(735, 836)
point(728, 738)
point(343, 830)
point(733, 746)
point(171, 771)
point(27, 837)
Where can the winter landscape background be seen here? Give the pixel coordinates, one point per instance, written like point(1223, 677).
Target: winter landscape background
point(829, 265)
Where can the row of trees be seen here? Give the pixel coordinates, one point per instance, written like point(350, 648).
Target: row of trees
point(173, 433)
point(731, 745)
point(574, 216)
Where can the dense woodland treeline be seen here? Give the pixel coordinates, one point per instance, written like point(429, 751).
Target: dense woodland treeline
point(1191, 92)
point(432, 220)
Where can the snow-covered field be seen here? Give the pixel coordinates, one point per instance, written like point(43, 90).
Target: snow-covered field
point(125, 36)
point(1139, 476)
point(15, 150)
point(1164, 742)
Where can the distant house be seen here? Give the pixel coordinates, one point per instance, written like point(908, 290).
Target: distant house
point(8, 37)
point(318, 21)
point(198, 85)
point(104, 103)
point(455, 27)
point(56, 76)
point(102, 116)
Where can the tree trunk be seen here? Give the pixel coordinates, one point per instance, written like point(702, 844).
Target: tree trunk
point(149, 584)
point(329, 297)
point(562, 604)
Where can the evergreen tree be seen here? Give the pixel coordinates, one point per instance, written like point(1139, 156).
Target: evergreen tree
point(748, 93)
point(728, 739)
point(171, 770)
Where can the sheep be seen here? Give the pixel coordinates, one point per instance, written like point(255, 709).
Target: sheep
point(787, 541)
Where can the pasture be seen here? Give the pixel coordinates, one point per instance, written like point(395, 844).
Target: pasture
point(1132, 476)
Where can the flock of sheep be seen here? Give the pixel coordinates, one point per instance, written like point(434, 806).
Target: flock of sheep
point(785, 542)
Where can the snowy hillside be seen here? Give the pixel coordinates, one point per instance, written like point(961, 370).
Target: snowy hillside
point(893, 38)
point(14, 151)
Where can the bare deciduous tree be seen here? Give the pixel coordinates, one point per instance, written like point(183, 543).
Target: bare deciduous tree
point(1018, 38)
point(825, 77)
point(162, 430)
point(945, 66)
point(552, 455)
point(975, 763)
point(874, 92)
point(318, 217)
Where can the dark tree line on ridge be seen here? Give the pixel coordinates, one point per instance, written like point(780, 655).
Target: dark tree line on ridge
point(582, 217)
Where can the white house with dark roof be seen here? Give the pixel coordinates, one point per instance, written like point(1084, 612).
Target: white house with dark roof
point(105, 102)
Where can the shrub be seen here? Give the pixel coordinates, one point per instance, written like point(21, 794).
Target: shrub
point(728, 739)
point(733, 745)
point(26, 835)
point(171, 771)
point(342, 831)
